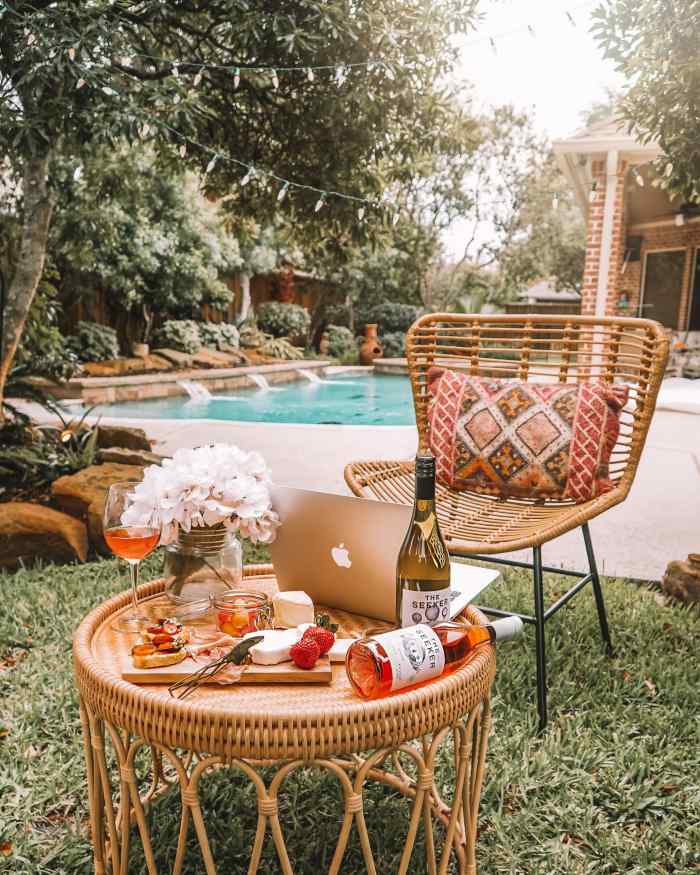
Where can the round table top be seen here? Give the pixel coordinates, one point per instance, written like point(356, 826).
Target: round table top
point(280, 721)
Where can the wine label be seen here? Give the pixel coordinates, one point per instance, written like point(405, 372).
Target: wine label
point(415, 655)
point(425, 607)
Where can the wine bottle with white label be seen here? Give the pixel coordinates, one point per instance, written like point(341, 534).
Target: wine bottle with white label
point(404, 658)
point(423, 566)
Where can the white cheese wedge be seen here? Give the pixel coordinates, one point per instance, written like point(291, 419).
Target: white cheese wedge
point(340, 648)
point(292, 608)
point(275, 645)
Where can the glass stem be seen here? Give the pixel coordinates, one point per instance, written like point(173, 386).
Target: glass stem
point(134, 575)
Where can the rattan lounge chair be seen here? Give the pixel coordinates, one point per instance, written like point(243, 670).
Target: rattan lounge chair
point(565, 349)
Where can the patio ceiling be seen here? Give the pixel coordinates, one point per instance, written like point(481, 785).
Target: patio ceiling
point(575, 154)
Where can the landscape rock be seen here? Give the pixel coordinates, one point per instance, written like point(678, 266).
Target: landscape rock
point(179, 359)
point(113, 367)
point(153, 362)
point(129, 457)
point(74, 493)
point(31, 531)
point(212, 358)
point(682, 579)
point(124, 436)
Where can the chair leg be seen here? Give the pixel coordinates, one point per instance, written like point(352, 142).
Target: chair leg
point(539, 637)
point(597, 590)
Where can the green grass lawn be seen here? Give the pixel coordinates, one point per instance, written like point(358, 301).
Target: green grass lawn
point(612, 787)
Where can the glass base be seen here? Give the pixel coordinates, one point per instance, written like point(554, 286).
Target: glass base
point(132, 622)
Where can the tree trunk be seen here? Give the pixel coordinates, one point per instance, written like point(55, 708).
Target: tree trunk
point(246, 300)
point(38, 206)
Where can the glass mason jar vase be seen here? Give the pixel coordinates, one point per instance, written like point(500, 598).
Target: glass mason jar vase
point(201, 564)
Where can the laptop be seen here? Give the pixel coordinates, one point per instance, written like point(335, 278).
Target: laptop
point(342, 551)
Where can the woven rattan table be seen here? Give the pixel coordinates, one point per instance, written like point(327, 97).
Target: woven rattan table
point(394, 740)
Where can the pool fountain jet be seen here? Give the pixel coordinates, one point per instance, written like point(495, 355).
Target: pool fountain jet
point(317, 381)
point(262, 384)
point(198, 393)
point(310, 376)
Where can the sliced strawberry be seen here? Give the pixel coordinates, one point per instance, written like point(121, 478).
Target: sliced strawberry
point(154, 630)
point(162, 638)
point(143, 650)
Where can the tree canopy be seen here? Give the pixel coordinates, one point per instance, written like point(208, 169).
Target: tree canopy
point(654, 43)
point(223, 88)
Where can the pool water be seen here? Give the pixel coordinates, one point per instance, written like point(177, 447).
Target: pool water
point(352, 399)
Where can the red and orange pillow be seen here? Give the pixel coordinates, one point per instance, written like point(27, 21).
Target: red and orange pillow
point(517, 439)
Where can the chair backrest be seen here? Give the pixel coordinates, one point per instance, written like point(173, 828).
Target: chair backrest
point(548, 348)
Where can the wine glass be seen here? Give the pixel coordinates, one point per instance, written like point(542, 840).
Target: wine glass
point(132, 543)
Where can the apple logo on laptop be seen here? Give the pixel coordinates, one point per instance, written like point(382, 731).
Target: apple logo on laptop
point(341, 556)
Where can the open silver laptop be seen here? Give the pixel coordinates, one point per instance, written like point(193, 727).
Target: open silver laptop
point(342, 552)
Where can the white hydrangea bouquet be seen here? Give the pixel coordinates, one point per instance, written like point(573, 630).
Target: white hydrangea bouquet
point(210, 486)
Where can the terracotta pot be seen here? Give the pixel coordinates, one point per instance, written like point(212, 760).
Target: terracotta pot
point(371, 349)
point(139, 350)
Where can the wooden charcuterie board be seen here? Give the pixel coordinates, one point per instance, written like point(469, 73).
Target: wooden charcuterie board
point(282, 673)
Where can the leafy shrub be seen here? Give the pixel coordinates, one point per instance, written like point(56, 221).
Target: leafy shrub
point(391, 317)
point(280, 348)
point(394, 344)
point(217, 335)
point(251, 336)
point(341, 341)
point(338, 314)
point(180, 334)
point(43, 349)
point(93, 342)
point(45, 453)
point(284, 320)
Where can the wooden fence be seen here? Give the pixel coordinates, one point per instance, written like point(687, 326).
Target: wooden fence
point(96, 305)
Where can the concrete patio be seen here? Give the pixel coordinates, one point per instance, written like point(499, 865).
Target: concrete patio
point(659, 521)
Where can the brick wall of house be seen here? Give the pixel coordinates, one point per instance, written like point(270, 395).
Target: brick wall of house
point(624, 281)
point(596, 210)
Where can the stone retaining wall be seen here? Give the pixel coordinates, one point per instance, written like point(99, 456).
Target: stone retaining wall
point(107, 390)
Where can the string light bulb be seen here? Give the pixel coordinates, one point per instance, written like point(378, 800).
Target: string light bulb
point(320, 203)
point(361, 213)
point(282, 193)
point(79, 83)
point(183, 150)
point(212, 164)
point(593, 193)
point(236, 77)
point(638, 178)
point(310, 74)
point(395, 218)
point(555, 201)
point(250, 173)
point(275, 80)
point(197, 79)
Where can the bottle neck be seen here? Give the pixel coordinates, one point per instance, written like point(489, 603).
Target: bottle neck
point(425, 479)
point(505, 629)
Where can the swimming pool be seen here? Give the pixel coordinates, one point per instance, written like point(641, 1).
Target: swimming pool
point(352, 399)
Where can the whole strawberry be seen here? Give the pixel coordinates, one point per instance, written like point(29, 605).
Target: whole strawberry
point(322, 636)
point(305, 653)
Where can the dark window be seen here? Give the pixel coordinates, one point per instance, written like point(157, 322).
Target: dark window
point(663, 282)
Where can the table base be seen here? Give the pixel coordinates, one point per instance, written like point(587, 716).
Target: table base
point(116, 804)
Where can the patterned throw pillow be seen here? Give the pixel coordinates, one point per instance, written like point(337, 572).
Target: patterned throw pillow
point(517, 439)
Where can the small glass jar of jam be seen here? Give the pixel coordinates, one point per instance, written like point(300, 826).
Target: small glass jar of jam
point(239, 612)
